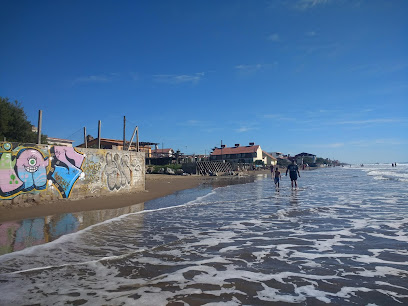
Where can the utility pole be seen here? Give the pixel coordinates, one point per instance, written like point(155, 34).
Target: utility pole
point(39, 126)
point(85, 140)
point(221, 149)
point(99, 134)
point(124, 132)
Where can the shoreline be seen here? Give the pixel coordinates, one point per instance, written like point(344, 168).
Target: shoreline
point(157, 186)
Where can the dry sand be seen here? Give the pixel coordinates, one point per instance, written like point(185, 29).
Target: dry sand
point(157, 186)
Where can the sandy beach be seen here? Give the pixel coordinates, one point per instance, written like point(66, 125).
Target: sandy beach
point(157, 185)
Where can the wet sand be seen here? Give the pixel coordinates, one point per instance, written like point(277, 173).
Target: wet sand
point(157, 185)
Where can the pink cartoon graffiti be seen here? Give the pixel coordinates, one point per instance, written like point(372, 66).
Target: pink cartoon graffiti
point(32, 169)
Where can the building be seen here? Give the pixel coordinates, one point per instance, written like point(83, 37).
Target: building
point(299, 157)
point(159, 153)
point(277, 154)
point(59, 142)
point(268, 159)
point(106, 143)
point(243, 154)
point(116, 144)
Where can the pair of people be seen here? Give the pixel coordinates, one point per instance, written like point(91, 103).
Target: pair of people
point(293, 174)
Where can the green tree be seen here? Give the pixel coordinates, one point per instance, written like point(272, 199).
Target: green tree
point(14, 125)
point(283, 162)
point(321, 160)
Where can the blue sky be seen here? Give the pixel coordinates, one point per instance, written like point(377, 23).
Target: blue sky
point(318, 76)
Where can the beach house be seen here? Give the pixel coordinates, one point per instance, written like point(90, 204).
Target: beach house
point(301, 156)
point(59, 142)
point(243, 154)
point(158, 153)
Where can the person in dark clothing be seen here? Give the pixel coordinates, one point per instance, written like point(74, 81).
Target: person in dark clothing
point(293, 173)
point(277, 177)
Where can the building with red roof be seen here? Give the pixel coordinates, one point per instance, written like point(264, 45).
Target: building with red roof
point(243, 154)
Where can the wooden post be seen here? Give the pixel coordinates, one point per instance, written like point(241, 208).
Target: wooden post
point(130, 143)
point(39, 126)
point(85, 140)
point(99, 134)
point(124, 133)
point(137, 139)
point(221, 150)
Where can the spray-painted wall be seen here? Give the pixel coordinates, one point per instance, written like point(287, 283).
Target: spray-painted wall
point(43, 173)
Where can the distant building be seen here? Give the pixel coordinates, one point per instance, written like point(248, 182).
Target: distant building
point(299, 157)
point(243, 154)
point(277, 154)
point(60, 142)
point(106, 143)
point(116, 144)
point(159, 153)
point(268, 159)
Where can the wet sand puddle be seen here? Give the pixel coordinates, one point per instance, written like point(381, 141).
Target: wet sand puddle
point(340, 239)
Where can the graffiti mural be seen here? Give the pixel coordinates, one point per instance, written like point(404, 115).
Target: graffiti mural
point(32, 169)
point(22, 170)
point(49, 172)
point(26, 169)
point(119, 170)
point(65, 169)
point(91, 180)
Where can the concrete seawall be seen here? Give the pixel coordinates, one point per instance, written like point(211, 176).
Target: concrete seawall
point(43, 173)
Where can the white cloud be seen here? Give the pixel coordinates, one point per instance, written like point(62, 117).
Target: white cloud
point(243, 129)
point(381, 68)
point(99, 78)
point(331, 49)
point(278, 117)
point(249, 68)
point(311, 33)
point(273, 37)
point(178, 79)
point(193, 122)
point(376, 142)
point(309, 4)
point(245, 126)
point(336, 145)
point(328, 145)
point(370, 121)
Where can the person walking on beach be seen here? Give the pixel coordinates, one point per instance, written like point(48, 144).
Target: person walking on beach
point(277, 177)
point(293, 173)
point(272, 171)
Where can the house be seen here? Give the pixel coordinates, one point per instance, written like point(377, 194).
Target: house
point(159, 153)
point(299, 157)
point(242, 154)
point(268, 159)
point(277, 154)
point(116, 144)
point(59, 142)
point(106, 143)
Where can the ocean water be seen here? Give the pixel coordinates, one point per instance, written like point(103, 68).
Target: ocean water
point(340, 239)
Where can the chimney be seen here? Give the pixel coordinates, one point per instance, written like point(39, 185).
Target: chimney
point(252, 143)
point(237, 145)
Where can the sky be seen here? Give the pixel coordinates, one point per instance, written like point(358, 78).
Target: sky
point(328, 77)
